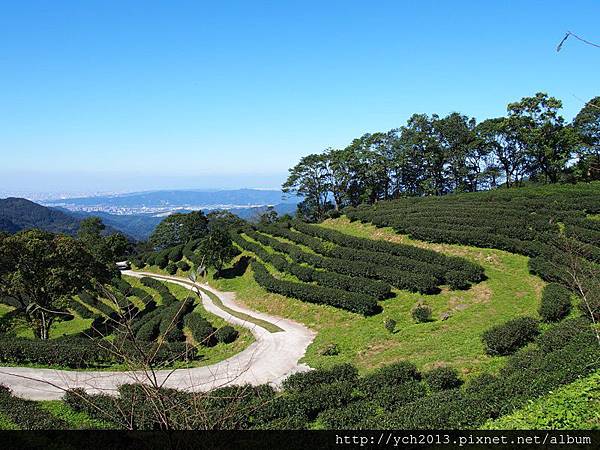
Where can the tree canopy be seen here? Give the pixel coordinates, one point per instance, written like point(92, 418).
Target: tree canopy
point(178, 229)
point(41, 271)
point(433, 155)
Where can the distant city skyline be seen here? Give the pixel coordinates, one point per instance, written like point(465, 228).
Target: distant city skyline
point(107, 96)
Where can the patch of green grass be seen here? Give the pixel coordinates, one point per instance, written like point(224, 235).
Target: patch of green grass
point(76, 420)
point(509, 291)
point(4, 309)
point(575, 406)
point(6, 423)
point(64, 328)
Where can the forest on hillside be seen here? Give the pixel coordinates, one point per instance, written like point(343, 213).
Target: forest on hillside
point(433, 155)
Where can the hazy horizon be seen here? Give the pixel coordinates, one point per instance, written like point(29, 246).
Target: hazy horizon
point(51, 185)
point(100, 98)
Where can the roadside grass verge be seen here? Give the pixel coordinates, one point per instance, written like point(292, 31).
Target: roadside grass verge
point(75, 420)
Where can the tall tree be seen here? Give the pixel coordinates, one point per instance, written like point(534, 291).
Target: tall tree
point(457, 141)
point(587, 125)
point(341, 176)
point(179, 228)
point(501, 136)
point(216, 249)
point(41, 271)
point(549, 143)
point(309, 178)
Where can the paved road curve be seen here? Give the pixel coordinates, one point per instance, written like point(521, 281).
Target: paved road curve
point(269, 359)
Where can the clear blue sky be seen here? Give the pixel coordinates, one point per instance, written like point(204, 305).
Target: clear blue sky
point(124, 95)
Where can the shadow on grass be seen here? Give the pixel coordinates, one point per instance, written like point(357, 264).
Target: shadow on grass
point(238, 269)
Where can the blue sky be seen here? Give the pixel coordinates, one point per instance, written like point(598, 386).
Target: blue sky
point(124, 95)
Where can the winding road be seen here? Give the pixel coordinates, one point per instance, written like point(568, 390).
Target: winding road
point(269, 359)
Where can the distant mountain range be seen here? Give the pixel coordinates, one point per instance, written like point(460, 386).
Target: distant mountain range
point(158, 201)
point(18, 214)
point(137, 214)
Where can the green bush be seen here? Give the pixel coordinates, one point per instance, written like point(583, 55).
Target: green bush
point(183, 265)
point(506, 338)
point(561, 334)
point(391, 375)
point(556, 302)
point(71, 352)
point(303, 381)
point(330, 350)
point(27, 414)
point(421, 313)
point(171, 268)
point(391, 398)
point(226, 334)
point(172, 320)
point(350, 301)
point(149, 330)
point(442, 378)
point(175, 254)
point(202, 330)
point(389, 324)
point(456, 280)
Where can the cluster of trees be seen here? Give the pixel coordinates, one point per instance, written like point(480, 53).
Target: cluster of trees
point(40, 272)
point(203, 240)
point(433, 155)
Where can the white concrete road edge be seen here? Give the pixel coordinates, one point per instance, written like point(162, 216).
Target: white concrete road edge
point(269, 359)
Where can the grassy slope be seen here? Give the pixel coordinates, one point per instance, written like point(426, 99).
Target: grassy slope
point(575, 406)
point(508, 292)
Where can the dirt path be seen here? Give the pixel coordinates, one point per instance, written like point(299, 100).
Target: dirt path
point(269, 359)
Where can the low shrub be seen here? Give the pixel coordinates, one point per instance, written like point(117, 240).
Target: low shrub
point(171, 268)
point(389, 324)
point(442, 378)
point(421, 313)
point(202, 330)
point(302, 381)
point(362, 304)
point(71, 352)
point(330, 350)
point(562, 334)
point(556, 302)
point(172, 320)
point(27, 414)
point(457, 280)
point(506, 338)
point(149, 329)
point(392, 397)
point(392, 376)
point(183, 265)
point(226, 334)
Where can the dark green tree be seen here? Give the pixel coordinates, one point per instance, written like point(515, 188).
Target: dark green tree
point(41, 272)
point(225, 220)
point(587, 125)
point(549, 143)
point(179, 228)
point(268, 217)
point(309, 178)
point(216, 249)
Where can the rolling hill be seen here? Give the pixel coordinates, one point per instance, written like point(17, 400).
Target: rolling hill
point(18, 214)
